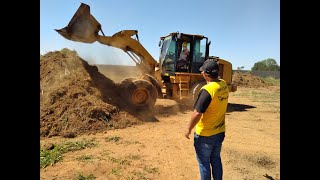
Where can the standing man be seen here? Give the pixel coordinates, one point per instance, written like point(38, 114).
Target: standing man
point(209, 118)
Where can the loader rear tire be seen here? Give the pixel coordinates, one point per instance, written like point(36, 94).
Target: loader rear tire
point(140, 94)
point(195, 90)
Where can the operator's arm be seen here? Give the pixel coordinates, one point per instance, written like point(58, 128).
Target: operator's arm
point(200, 107)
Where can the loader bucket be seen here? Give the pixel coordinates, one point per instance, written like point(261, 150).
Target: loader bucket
point(83, 27)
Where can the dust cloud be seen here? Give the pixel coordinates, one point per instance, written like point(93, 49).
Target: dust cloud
point(99, 54)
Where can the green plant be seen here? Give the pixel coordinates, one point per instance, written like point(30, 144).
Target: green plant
point(129, 178)
point(113, 138)
point(89, 177)
point(131, 142)
point(258, 96)
point(85, 158)
point(78, 145)
point(119, 161)
point(50, 157)
point(271, 80)
point(134, 157)
point(140, 175)
point(151, 170)
point(116, 172)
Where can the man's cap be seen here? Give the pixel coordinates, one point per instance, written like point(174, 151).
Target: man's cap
point(209, 66)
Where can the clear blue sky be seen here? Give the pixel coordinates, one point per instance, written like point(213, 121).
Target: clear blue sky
point(241, 31)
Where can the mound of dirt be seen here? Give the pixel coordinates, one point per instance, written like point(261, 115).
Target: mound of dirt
point(75, 98)
point(248, 80)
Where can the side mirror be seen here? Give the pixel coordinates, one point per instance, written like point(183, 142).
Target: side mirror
point(209, 43)
point(160, 42)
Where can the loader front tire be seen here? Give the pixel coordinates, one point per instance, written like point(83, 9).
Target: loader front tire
point(126, 82)
point(140, 94)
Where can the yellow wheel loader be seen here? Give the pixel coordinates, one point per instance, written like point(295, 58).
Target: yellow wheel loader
point(166, 78)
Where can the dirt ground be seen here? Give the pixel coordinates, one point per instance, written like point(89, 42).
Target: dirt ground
point(150, 146)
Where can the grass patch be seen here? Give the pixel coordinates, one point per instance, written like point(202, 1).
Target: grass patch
point(112, 138)
point(116, 171)
point(118, 140)
point(240, 94)
point(119, 161)
point(262, 161)
point(133, 157)
point(82, 177)
point(52, 156)
point(272, 80)
point(265, 162)
point(260, 96)
point(151, 170)
point(78, 145)
point(140, 175)
point(131, 142)
point(105, 153)
point(85, 158)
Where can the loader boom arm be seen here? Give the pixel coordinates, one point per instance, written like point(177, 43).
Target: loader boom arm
point(132, 47)
point(83, 27)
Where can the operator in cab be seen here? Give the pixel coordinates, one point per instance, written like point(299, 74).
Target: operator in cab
point(182, 61)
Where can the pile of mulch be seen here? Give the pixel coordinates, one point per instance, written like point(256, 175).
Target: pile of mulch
point(75, 98)
point(248, 79)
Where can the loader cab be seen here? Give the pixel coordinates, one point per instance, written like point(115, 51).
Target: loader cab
point(170, 49)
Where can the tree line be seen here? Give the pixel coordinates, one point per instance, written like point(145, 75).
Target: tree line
point(264, 65)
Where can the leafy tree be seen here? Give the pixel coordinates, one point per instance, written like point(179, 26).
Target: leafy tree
point(240, 68)
point(266, 65)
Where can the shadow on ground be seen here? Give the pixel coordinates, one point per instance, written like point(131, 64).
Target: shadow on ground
point(186, 107)
point(238, 107)
point(269, 177)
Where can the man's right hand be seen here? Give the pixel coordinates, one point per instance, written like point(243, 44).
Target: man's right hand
point(187, 134)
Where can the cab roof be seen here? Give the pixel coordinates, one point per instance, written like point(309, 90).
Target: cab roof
point(183, 34)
